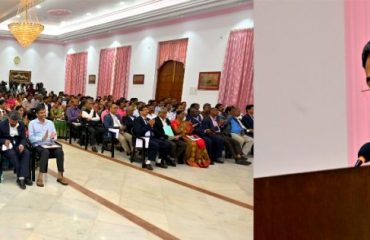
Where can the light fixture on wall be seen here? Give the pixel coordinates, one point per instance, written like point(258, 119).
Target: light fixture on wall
point(26, 28)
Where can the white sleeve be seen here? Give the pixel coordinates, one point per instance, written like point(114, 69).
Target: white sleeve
point(85, 115)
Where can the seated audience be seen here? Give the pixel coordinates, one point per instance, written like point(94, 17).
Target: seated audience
point(22, 115)
point(144, 128)
point(56, 111)
point(28, 103)
point(248, 120)
point(234, 127)
point(91, 120)
point(196, 152)
point(163, 130)
point(205, 112)
point(111, 120)
point(128, 120)
point(42, 132)
point(214, 143)
point(73, 113)
point(13, 142)
point(213, 123)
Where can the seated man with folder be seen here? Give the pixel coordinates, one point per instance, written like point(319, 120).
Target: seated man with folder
point(13, 142)
point(163, 130)
point(42, 135)
point(144, 128)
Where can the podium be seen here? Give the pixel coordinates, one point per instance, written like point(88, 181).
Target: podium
point(331, 204)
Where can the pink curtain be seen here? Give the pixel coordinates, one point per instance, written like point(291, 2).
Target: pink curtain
point(105, 76)
point(75, 70)
point(357, 20)
point(172, 50)
point(121, 75)
point(236, 86)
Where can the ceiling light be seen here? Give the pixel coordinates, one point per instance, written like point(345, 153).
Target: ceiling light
point(122, 3)
point(27, 28)
point(38, 6)
point(88, 14)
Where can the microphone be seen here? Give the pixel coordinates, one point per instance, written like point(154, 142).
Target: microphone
point(358, 163)
point(363, 155)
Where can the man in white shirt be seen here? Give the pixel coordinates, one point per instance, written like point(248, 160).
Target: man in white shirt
point(111, 121)
point(91, 120)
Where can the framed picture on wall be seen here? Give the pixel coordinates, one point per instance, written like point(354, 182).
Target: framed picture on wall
point(20, 76)
point(92, 79)
point(138, 79)
point(209, 80)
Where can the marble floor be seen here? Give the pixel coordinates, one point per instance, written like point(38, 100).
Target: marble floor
point(119, 200)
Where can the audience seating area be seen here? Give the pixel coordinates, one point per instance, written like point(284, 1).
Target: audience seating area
point(82, 120)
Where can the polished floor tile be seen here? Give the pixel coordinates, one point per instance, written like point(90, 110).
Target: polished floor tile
point(59, 212)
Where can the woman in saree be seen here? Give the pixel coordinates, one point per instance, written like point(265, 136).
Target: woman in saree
point(57, 116)
point(196, 152)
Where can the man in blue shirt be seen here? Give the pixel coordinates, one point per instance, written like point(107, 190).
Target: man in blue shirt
point(41, 134)
point(237, 131)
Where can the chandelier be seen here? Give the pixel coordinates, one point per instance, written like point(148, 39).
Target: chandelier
point(28, 27)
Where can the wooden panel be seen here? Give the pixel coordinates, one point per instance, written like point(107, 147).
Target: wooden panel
point(170, 81)
point(332, 204)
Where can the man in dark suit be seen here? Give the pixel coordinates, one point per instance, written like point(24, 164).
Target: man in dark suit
point(13, 142)
point(212, 123)
point(144, 128)
point(248, 120)
point(178, 146)
point(214, 144)
point(128, 120)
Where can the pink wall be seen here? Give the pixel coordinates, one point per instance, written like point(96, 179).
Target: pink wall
point(357, 20)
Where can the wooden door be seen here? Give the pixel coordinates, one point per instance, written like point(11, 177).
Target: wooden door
point(170, 81)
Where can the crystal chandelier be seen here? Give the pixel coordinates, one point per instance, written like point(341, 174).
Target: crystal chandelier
point(28, 27)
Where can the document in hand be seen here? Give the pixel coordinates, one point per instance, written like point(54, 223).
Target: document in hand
point(4, 148)
point(50, 146)
point(193, 137)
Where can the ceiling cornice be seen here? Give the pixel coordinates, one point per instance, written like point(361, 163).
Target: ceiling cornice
point(137, 21)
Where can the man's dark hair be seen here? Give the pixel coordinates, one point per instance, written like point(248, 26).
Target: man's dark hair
point(40, 107)
point(14, 115)
point(229, 109)
point(218, 105)
point(141, 108)
point(248, 107)
point(2, 101)
point(365, 54)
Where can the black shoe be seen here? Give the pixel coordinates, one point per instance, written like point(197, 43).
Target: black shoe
point(161, 164)
point(242, 162)
point(218, 161)
point(171, 162)
point(148, 166)
point(21, 184)
point(28, 182)
point(94, 149)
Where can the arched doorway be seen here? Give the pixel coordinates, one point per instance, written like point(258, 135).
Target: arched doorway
point(170, 81)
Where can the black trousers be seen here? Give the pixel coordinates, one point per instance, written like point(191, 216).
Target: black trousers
point(46, 153)
point(214, 145)
point(20, 160)
point(95, 133)
point(178, 148)
point(158, 146)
